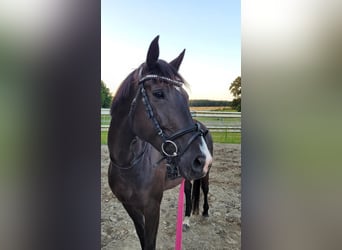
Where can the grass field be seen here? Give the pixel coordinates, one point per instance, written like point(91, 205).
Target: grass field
point(213, 108)
point(226, 137)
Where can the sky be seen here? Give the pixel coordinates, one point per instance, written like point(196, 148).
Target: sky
point(210, 31)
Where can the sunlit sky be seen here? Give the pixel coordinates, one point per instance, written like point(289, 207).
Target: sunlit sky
point(208, 30)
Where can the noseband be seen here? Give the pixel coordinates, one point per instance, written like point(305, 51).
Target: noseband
point(169, 148)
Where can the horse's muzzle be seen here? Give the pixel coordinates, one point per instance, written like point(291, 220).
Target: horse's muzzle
point(199, 165)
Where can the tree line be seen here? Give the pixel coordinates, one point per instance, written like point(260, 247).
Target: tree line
point(234, 88)
point(106, 96)
point(209, 103)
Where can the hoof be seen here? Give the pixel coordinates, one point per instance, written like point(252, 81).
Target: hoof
point(185, 227)
point(206, 215)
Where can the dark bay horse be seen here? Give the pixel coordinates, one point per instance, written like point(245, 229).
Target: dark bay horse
point(153, 141)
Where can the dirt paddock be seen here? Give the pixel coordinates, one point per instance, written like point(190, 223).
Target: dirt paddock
point(221, 230)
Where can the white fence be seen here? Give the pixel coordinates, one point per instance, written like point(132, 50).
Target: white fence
point(214, 120)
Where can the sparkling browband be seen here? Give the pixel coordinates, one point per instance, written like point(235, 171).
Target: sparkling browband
point(148, 77)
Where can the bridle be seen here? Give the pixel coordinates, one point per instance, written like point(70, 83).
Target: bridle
point(169, 149)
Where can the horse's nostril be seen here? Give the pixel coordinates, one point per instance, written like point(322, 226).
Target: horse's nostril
point(198, 164)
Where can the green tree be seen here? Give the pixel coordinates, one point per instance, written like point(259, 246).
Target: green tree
point(235, 89)
point(106, 96)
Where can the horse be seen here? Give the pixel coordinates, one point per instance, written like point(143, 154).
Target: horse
point(153, 141)
point(192, 192)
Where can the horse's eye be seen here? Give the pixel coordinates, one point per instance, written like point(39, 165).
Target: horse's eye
point(159, 94)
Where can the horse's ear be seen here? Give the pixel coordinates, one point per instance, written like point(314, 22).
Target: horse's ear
point(177, 61)
point(153, 53)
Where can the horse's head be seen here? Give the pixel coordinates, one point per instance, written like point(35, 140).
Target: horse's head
point(160, 115)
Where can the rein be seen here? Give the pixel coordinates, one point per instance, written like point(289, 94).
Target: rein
point(133, 162)
point(179, 229)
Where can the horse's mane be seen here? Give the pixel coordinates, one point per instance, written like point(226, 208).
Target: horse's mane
point(161, 68)
point(124, 90)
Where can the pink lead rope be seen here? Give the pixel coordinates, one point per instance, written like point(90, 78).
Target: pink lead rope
point(178, 244)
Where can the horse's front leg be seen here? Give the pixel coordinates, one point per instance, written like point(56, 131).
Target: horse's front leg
point(188, 205)
point(205, 189)
point(196, 196)
point(138, 221)
point(152, 213)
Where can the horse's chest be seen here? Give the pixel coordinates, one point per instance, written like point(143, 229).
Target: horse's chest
point(132, 188)
point(172, 183)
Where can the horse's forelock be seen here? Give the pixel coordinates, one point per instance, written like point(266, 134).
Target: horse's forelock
point(163, 68)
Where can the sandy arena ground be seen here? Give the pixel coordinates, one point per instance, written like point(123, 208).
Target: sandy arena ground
point(221, 230)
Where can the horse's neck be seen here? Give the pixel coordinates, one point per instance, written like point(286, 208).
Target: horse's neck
point(120, 140)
